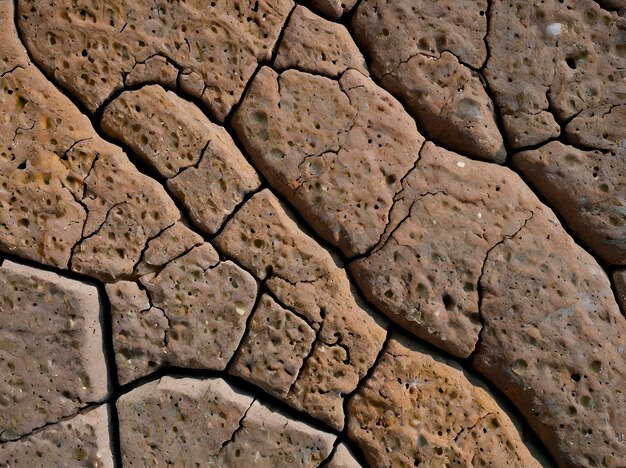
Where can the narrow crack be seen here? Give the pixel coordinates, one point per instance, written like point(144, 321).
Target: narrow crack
point(237, 430)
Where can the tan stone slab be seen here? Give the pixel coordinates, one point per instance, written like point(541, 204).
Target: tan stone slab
point(602, 128)
point(342, 458)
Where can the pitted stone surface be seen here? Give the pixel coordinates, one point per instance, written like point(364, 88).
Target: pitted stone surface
point(601, 128)
point(333, 8)
point(82, 440)
point(619, 282)
point(51, 351)
point(562, 57)
point(418, 51)
point(331, 147)
point(315, 45)
point(416, 410)
point(587, 188)
point(90, 48)
point(174, 421)
point(265, 240)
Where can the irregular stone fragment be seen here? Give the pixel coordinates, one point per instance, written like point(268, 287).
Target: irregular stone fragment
point(51, 355)
point(82, 440)
point(619, 282)
point(315, 45)
point(561, 56)
point(207, 173)
point(587, 189)
point(416, 410)
point(418, 50)
point(274, 348)
point(172, 421)
point(89, 48)
point(333, 8)
point(342, 458)
point(553, 342)
point(267, 242)
point(424, 273)
point(156, 69)
point(602, 128)
point(336, 149)
point(523, 130)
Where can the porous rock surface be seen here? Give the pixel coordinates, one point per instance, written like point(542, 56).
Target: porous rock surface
point(619, 281)
point(210, 277)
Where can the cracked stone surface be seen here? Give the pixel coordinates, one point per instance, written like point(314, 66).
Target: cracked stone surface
point(417, 410)
point(51, 350)
point(82, 440)
point(224, 243)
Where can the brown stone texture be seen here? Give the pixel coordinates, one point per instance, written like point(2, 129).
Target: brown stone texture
point(265, 240)
point(587, 188)
point(333, 8)
point(554, 59)
point(342, 458)
point(315, 45)
point(91, 47)
point(416, 410)
point(51, 351)
point(176, 420)
point(601, 127)
point(82, 440)
point(206, 171)
point(331, 147)
point(424, 53)
point(619, 283)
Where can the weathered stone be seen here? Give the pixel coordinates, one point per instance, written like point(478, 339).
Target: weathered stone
point(315, 45)
point(173, 421)
point(553, 342)
point(587, 189)
point(82, 440)
point(207, 173)
point(333, 8)
point(336, 149)
point(156, 69)
point(619, 283)
point(51, 351)
point(424, 273)
point(602, 128)
point(416, 410)
point(89, 48)
point(274, 348)
point(418, 50)
point(523, 130)
point(302, 275)
point(612, 4)
point(561, 56)
point(342, 458)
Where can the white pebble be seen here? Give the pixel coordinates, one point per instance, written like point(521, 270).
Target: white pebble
point(460, 164)
point(480, 215)
point(553, 29)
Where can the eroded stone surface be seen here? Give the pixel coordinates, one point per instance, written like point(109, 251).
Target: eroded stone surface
point(51, 354)
point(342, 458)
point(619, 282)
point(418, 50)
point(173, 421)
point(553, 341)
point(415, 410)
point(315, 45)
point(267, 242)
point(90, 48)
point(424, 274)
point(82, 440)
point(333, 8)
point(273, 350)
point(602, 128)
point(587, 188)
point(191, 313)
point(336, 149)
point(563, 57)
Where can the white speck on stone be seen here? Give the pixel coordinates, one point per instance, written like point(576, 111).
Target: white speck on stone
point(460, 164)
point(554, 29)
point(434, 222)
point(479, 215)
point(240, 310)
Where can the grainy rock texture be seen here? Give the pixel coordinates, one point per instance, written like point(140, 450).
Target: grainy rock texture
point(587, 188)
point(342, 458)
point(265, 240)
point(82, 440)
point(172, 421)
point(51, 350)
point(619, 282)
point(91, 47)
point(415, 410)
point(333, 8)
point(601, 128)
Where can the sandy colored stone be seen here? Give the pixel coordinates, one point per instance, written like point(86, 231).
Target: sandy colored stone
point(342, 458)
point(315, 45)
point(274, 347)
point(336, 149)
point(523, 130)
point(424, 273)
point(419, 51)
point(90, 48)
point(156, 69)
point(82, 440)
point(332, 8)
point(587, 189)
point(602, 128)
point(264, 239)
point(553, 341)
point(619, 284)
point(415, 410)
point(51, 351)
point(207, 173)
point(562, 57)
